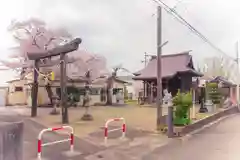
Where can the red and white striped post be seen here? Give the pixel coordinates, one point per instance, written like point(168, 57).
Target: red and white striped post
point(106, 131)
point(40, 145)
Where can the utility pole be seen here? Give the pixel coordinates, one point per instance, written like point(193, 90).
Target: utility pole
point(237, 53)
point(237, 60)
point(159, 67)
point(145, 58)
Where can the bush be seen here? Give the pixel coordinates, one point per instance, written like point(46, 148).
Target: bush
point(213, 92)
point(72, 93)
point(182, 103)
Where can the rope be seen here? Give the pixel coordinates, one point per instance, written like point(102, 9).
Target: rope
point(45, 76)
point(42, 74)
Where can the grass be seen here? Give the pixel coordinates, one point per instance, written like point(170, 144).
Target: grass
point(131, 102)
point(202, 115)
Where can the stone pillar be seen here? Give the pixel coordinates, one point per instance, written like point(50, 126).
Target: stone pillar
point(151, 93)
point(144, 88)
point(63, 86)
point(34, 90)
point(11, 141)
point(233, 95)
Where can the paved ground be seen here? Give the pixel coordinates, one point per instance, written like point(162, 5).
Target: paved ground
point(31, 130)
point(91, 145)
point(220, 142)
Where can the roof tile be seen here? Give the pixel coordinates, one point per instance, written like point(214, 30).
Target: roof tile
point(171, 64)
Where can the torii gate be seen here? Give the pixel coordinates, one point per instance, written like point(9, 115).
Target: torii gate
point(58, 51)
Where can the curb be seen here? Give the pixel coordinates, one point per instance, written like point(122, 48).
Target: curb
point(208, 120)
point(190, 135)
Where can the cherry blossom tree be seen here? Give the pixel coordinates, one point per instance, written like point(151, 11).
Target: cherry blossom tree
point(33, 36)
point(90, 68)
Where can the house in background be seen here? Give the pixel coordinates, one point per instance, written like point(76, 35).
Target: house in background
point(17, 92)
point(133, 87)
point(20, 91)
point(177, 73)
point(118, 87)
point(3, 95)
point(227, 88)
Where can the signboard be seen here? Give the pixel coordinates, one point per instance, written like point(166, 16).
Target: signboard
point(52, 76)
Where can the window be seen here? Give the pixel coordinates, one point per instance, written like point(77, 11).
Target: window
point(116, 90)
point(103, 94)
point(79, 91)
point(82, 91)
point(95, 91)
point(73, 90)
point(18, 89)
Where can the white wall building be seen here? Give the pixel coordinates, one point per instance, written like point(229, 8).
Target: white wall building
point(133, 87)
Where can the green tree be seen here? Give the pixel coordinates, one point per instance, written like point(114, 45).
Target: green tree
point(213, 92)
point(182, 103)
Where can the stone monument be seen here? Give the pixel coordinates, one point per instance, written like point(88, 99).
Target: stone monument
point(11, 141)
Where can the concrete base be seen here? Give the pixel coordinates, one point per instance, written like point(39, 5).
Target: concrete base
point(71, 154)
point(203, 110)
point(114, 142)
point(41, 158)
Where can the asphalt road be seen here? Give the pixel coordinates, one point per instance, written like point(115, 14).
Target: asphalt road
point(219, 142)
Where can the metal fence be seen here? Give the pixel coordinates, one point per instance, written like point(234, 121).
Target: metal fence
point(11, 141)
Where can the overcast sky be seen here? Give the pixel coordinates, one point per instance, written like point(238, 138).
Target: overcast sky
point(122, 30)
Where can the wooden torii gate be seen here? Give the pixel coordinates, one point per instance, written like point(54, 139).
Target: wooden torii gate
point(58, 51)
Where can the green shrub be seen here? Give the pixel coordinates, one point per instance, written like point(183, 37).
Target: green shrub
point(177, 121)
point(213, 92)
point(182, 103)
point(72, 93)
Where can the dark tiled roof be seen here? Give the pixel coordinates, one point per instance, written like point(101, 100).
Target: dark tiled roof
point(223, 80)
point(104, 80)
point(126, 78)
point(120, 80)
point(171, 65)
point(14, 80)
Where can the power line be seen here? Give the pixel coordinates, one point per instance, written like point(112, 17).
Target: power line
point(185, 9)
point(177, 3)
point(184, 22)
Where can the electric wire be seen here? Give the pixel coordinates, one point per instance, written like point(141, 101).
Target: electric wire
point(184, 22)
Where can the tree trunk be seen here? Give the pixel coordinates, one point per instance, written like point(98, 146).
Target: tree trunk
point(109, 90)
point(34, 89)
point(50, 93)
